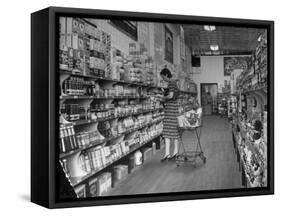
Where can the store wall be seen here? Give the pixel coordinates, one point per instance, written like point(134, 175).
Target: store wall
point(211, 72)
point(120, 40)
point(153, 37)
point(146, 30)
point(159, 47)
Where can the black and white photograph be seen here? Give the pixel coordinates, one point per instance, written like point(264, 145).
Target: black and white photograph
point(159, 107)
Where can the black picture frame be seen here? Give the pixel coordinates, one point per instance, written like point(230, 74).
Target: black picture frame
point(45, 106)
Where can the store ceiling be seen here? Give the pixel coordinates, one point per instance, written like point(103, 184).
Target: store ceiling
point(231, 40)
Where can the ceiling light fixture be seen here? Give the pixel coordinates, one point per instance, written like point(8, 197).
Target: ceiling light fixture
point(209, 28)
point(214, 47)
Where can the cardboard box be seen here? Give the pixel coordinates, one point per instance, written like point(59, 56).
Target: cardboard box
point(63, 57)
point(104, 183)
point(93, 188)
point(81, 27)
point(62, 41)
point(146, 154)
point(80, 191)
point(81, 45)
point(70, 58)
point(119, 173)
point(75, 40)
point(89, 29)
point(69, 40)
point(72, 25)
point(62, 30)
point(62, 25)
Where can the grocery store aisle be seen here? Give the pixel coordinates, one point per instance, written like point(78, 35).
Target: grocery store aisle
point(220, 171)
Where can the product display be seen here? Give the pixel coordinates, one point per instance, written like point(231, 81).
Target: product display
point(98, 106)
point(80, 191)
point(119, 173)
point(111, 107)
point(104, 183)
point(250, 117)
point(147, 154)
point(222, 105)
point(231, 106)
point(93, 187)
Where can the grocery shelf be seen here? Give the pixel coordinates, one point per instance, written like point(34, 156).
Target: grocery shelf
point(76, 181)
point(242, 163)
point(72, 97)
point(89, 121)
point(88, 97)
point(68, 72)
point(92, 144)
point(257, 88)
point(250, 144)
point(67, 154)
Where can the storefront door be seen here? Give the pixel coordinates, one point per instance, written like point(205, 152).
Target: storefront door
point(208, 97)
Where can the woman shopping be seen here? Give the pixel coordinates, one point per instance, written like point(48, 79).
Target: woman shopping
point(171, 110)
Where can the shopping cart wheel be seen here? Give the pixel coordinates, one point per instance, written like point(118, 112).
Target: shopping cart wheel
point(204, 160)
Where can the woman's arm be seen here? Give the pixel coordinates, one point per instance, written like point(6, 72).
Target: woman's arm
point(169, 96)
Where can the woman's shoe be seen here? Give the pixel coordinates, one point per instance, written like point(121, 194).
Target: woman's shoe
point(173, 157)
point(165, 158)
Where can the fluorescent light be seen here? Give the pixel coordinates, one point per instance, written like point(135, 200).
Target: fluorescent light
point(209, 28)
point(214, 47)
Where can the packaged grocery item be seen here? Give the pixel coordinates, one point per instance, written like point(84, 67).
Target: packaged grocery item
point(138, 158)
point(147, 154)
point(93, 187)
point(80, 191)
point(119, 173)
point(104, 183)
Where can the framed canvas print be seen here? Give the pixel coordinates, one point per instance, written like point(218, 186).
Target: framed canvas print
point(138, 107)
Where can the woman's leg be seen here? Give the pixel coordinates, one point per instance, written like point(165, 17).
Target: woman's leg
point(176, 147)
point(167, 147)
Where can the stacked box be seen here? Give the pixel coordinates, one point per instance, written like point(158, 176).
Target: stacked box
point(80, 191)
point(104, 183)
point(106, 39)
point(93, 188)
point(63, 58)
point(62, 30)
point(147, 154)
point(119, 173)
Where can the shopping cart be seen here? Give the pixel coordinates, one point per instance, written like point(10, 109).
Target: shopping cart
point(184, 155)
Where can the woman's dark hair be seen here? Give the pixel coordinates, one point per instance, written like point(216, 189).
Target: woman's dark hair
point(166, 72)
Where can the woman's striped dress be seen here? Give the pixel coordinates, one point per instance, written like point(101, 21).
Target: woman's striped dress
point(171, 110)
